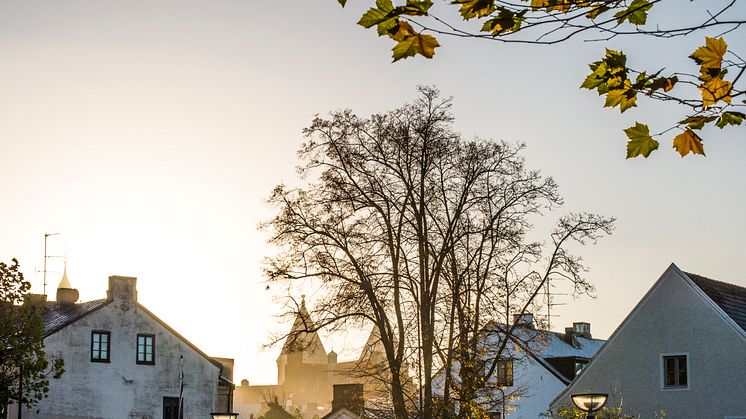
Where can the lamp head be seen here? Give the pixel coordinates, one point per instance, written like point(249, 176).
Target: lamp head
point(589, 402)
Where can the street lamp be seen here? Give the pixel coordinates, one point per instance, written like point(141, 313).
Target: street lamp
point(224, 415)
point(590, 402)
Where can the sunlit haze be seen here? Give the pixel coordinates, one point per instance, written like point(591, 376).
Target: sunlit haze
point(149, 134)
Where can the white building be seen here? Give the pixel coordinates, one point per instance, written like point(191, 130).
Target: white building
point(534, 368)
point(681, 350)
point(123, 362)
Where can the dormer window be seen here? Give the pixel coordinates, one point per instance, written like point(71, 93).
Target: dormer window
point(146, 349)
point(100, 346)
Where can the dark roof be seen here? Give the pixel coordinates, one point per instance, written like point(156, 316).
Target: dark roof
point(731, 298)
point(58, 315)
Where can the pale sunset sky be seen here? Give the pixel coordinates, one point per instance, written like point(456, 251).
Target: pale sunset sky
point(150, 133)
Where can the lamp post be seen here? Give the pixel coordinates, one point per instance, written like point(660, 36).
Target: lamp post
point(216, 415)
point(590, 402)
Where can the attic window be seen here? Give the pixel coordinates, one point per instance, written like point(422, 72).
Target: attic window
point(675, 372)
point(100, 346)
point(146, 349)
point(505, 372)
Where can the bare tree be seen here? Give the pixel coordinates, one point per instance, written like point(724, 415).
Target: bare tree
point(402, 219)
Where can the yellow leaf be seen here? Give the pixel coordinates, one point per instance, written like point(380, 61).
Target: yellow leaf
point(625, 97)
point(711, 54)
point(714, 90)
point(688, 142)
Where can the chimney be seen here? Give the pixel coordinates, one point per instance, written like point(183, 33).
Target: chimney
point(122, 288)
point(524, 320)
point(569, 336)
point(582, 329)
point(350, 397)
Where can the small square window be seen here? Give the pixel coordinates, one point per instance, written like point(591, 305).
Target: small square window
point(100, 346)
point(675, 374)
point(146, 349)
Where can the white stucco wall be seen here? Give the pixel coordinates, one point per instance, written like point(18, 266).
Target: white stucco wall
point(534, 387)
point(538, 387)
point(122, 389)
point(673, 319)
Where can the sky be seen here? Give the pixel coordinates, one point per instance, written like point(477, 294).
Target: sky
point(149, 134)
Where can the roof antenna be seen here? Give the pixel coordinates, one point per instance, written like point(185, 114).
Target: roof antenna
point(46, 235)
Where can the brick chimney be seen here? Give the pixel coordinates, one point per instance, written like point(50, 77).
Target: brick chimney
point(122, 288)
point(350, 397)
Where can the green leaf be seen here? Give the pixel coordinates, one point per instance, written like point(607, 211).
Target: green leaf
point(730, 118)
point(640, 142)
point(373, 17)
point(636, 13)
point(697, 122)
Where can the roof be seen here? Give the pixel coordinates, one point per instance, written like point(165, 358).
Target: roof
point(729, 297)
point(58, 316)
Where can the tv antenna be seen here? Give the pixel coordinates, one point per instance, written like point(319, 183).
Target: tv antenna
point(46, 236)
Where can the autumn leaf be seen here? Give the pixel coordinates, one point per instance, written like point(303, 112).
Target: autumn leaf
point(624, 97)
point(697, 122)
point(711, 54)
point(665, 83)
point(505, 21)
point(636, 13)
point(596, 10)
point(715, 90)
point(342, 2)
point(688, 142)
point(411, 43)
point(376, 15)
point(475, 8)
point(640, 142)
point(730, 118)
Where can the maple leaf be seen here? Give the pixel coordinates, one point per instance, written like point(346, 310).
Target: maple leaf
point(711, 54)
point(665, 83)
point(625, 97)
point(475, 8)
point(688, 142)
point(697, 122)
point(505, 21)
point(640, 142)
point(730, 118)
point(636, 13)
point(410, 43)
point(715, 90)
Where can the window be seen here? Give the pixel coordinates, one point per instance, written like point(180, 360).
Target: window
point(146, 349)
point(505, 372)
point(675, 371)
point(100, 346)
point(171, 408)
point(579, 365)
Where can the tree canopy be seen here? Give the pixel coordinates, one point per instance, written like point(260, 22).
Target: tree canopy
point(710, 91)
point(406, 226)
point(24, 368)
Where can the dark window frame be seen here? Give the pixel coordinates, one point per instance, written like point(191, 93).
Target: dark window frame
point(504, 372)
point(99, 358)
point(675, 370)
point(170, 403)
point(144, 353)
